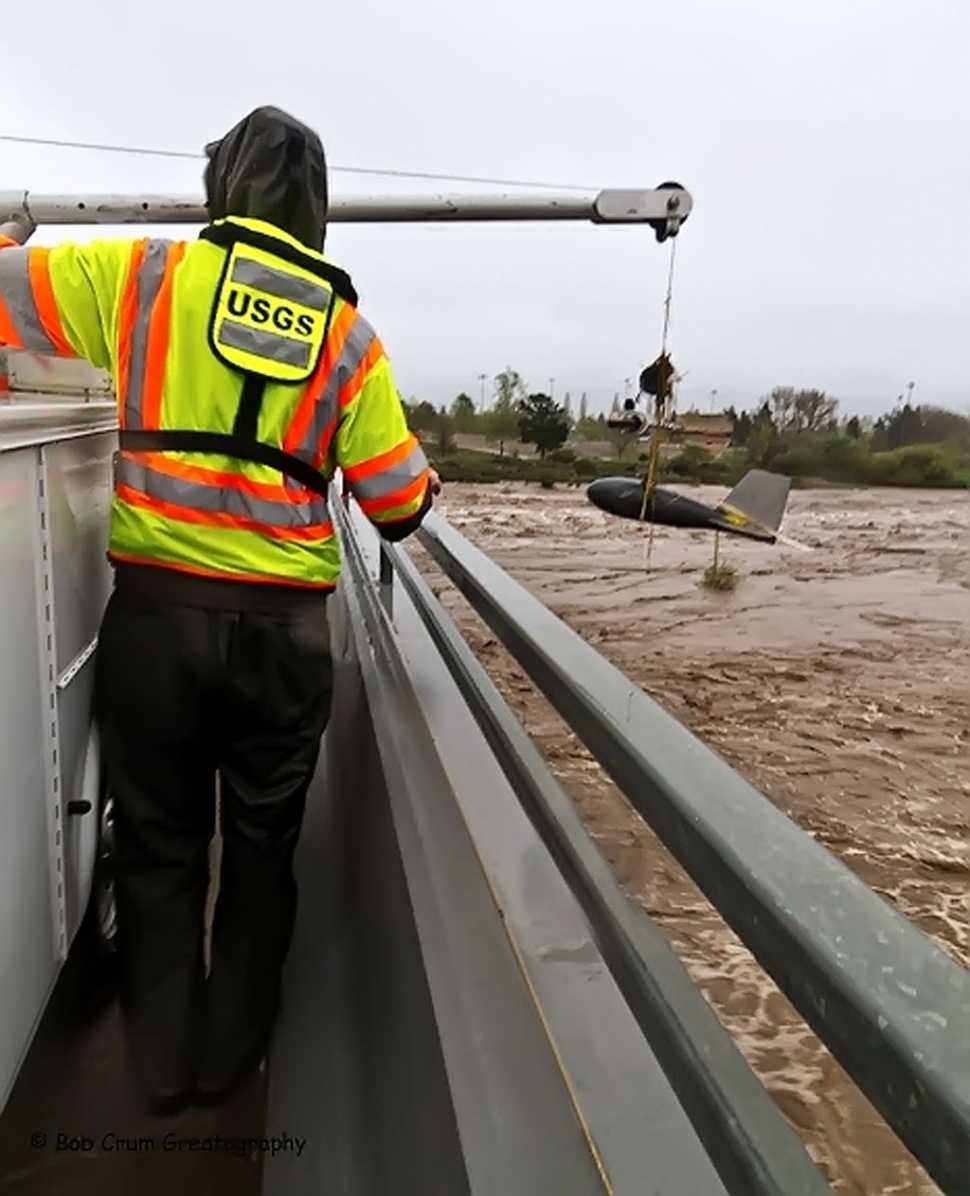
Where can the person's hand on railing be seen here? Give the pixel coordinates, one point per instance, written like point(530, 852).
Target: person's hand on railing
point(435, 482)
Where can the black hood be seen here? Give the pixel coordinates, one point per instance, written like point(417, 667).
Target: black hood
point(270, 167)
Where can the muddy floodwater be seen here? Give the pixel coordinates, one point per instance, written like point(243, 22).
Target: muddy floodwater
point(836, 680)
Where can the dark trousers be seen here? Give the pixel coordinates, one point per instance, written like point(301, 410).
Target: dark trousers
point(181, 694)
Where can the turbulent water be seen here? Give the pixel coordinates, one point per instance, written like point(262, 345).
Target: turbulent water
point(836, 680)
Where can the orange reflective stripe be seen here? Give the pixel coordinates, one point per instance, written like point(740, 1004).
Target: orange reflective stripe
point(157, 349)
point(135, 498)
point(315, 387)
point(127, 315)
point(367, 469)
point(9, 337)
point(38, 268)
point(325, 439)
point(233, 481)
point(352, 389)
point(410, 492)
point(222, 574)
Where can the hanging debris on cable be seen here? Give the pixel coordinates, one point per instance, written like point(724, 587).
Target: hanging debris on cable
point(753, 509)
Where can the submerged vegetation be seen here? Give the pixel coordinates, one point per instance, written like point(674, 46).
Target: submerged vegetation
point(720, 576)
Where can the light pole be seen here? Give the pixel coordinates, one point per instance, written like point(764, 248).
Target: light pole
point(909, 397)
point(552, 383)
point(481, 379)
point(713, 400)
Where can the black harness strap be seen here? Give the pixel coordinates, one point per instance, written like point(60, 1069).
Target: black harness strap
point(229, 445)
point(250, 401)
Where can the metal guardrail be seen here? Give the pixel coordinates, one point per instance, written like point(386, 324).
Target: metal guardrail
point(748, 1141)
point(520, 1132)
point(893, 1008)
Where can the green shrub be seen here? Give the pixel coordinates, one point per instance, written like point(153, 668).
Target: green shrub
point(585, 468)
point(834, 458)
point(915, 465)
point(696, 464)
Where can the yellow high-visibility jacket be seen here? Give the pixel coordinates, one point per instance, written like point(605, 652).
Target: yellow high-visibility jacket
point(149, 311)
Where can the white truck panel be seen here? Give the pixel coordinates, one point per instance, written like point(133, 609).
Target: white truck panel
point(28, 963)
point(78, 500)
point(55, 490)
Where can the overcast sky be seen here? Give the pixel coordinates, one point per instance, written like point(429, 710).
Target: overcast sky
point(826, 144)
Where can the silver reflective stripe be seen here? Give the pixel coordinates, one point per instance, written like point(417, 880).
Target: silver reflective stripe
point(202, 497)
point(355, 347)
point(280, 284)
point(263, 344)
point(150, 275)
point(379, 485)
point(19, 299)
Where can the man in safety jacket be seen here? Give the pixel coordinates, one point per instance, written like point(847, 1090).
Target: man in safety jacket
point(245, 377)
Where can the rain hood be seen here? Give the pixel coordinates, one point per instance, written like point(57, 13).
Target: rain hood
point(270, 167)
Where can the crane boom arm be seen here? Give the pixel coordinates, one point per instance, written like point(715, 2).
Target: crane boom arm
point(665, 209)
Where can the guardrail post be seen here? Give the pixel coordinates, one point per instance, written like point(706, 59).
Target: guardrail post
point(387, 582)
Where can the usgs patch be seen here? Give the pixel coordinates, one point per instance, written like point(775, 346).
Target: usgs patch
point(269, 317)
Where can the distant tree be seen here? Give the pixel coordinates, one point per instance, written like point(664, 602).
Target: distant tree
point(501, 421)
point(904, 426)
point(802, 410)
point(618, 437)
point(590, 427)
point(945, 427)
point(542, 422)
point(463, 413)
point(763, 445)
point(741, 425)
point(582, 407)
point(763, 441)
point(782, 401)
point(444, 432)
point(501, 424)
point(853, 428)
point(815, 411)
point(879, 440)
point(423, 416)
point(510, 389)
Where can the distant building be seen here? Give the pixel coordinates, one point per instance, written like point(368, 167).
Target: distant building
point(710, 432)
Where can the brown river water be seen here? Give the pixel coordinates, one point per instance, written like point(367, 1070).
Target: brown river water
point(836, 680)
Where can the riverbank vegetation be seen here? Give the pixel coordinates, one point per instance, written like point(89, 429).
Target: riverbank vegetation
point(529, 437)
